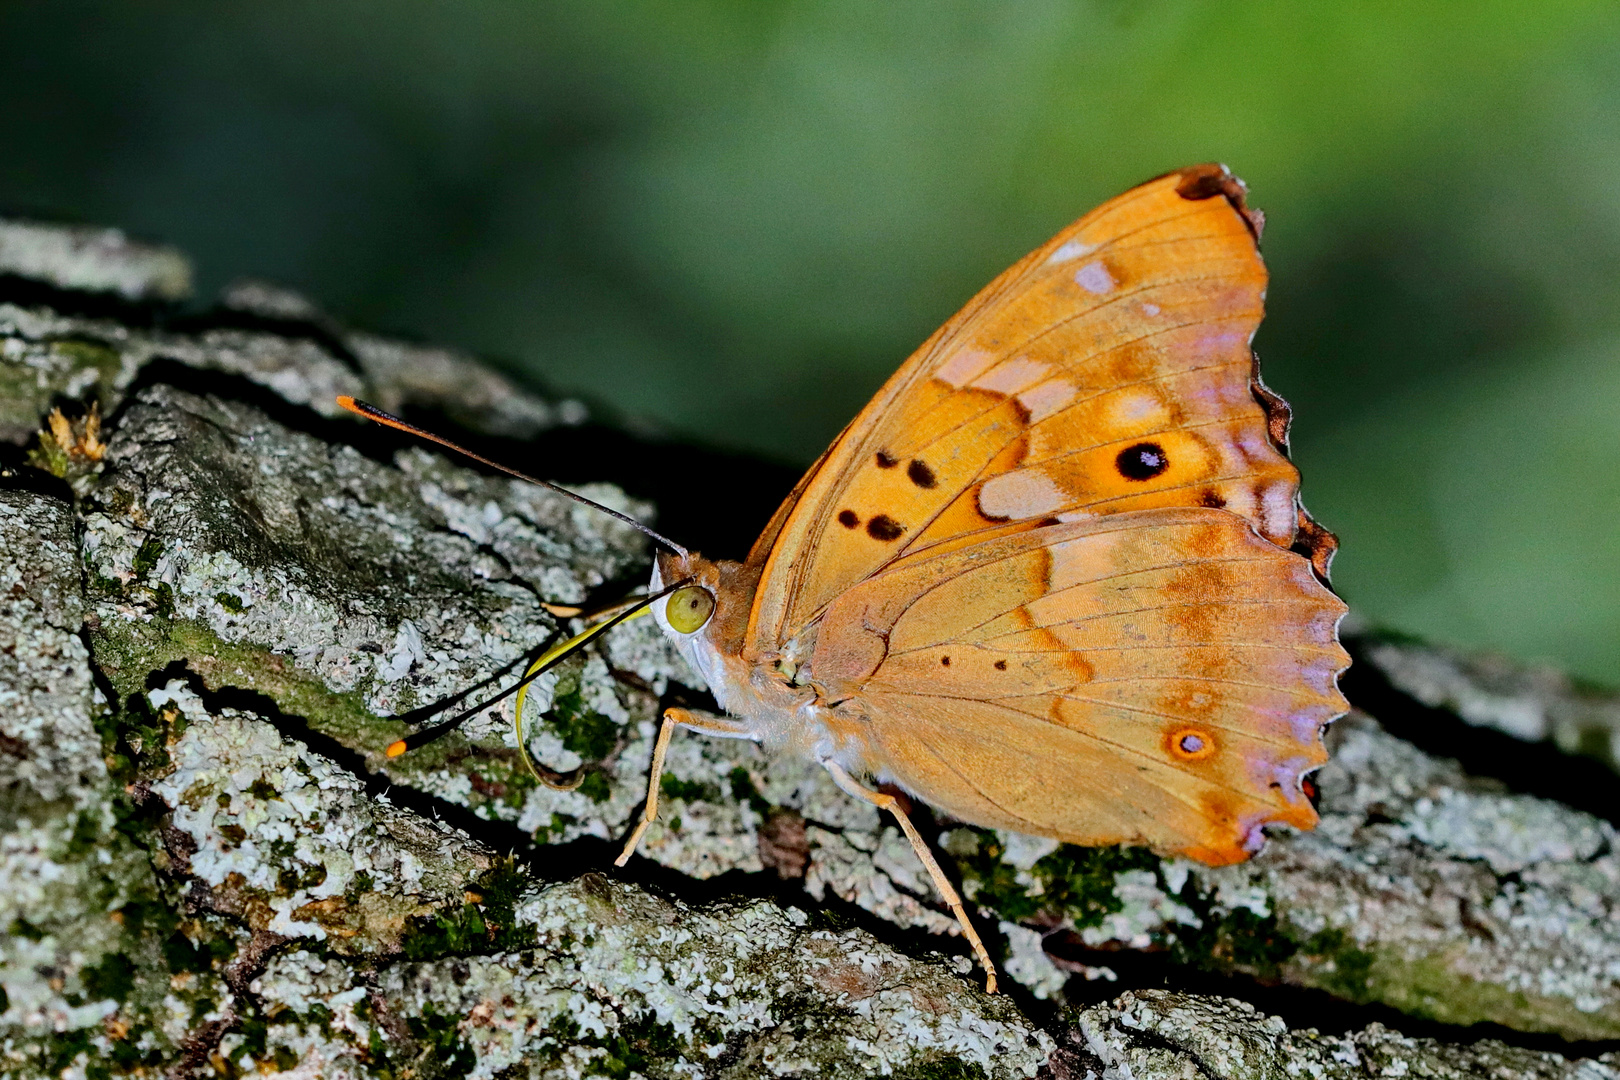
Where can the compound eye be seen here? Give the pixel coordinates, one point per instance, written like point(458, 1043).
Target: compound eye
point(689, 609)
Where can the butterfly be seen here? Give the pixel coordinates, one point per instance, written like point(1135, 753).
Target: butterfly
point(1056, 577)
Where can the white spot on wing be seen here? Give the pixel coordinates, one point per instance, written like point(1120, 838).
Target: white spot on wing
point(1215, 344)
point(1151, 309)
point(1070, 250)
point(1094, 277)
point(1253, 446)
point(964, 367)
point(1241, 501)
point(1044, 399)
point(1130, 407)
point(1025, 493)
point(1083, 559)
point(1011, 376)
point(1277, 508)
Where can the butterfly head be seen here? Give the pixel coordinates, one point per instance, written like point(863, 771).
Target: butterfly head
point(687, 612)
point(707, 615)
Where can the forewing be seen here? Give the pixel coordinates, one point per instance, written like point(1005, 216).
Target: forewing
point(1109, 371)
point(1156, 677)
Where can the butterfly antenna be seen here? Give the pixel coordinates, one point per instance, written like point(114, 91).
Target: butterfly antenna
point(546, 661)
point(371, 412)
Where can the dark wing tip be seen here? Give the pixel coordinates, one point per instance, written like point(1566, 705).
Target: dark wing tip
point(1209, 180)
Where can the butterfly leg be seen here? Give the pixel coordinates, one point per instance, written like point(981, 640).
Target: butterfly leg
point(941, 882)
point(708, 724)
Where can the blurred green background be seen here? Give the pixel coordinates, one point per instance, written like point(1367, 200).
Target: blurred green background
point(733, 220)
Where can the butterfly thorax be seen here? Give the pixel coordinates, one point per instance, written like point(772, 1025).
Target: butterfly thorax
point(773, 693)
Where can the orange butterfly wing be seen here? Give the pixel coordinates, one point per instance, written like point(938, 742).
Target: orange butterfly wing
point(1158, 677)
point(1108, 371)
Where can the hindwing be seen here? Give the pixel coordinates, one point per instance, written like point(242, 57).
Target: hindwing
point(1158, 676)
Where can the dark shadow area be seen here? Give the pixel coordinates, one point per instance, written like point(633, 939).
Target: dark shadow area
point(17, 474)
point(320, 330)
point(166, 371)
point(712, 501)
point(140, 314)
point(1533, 768)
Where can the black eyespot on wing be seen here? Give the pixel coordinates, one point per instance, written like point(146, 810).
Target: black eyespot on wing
point(884, 461)
point(1143, 461)
point(847, 519)
point(884, 527)
point(1212, 499)
point(920, 474)
point(1001, 665)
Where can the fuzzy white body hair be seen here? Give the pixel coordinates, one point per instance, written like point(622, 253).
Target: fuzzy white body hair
point(782, 716)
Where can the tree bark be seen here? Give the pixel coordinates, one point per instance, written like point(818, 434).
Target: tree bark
point(213, 624)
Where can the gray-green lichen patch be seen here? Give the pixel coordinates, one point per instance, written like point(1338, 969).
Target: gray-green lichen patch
point(44, 357)
point(605, 980)
point(1164, 1034)
point(83, 921)
point(49, 749)
point(93, 260)
point(387, 944)
point(717, 796)
point(399, 374)
point(304, 851)
point(1531, 892)
point(1440, 894)
point(618, 983)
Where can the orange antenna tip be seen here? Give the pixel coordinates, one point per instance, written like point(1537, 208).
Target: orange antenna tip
point(371, 412)
point(394, 748)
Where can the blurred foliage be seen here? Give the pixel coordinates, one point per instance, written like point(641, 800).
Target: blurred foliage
point(733, 219)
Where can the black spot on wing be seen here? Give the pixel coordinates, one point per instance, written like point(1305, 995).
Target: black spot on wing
point(848, 519)
point(884, 527)
point(1001, 665)
point(884, 461)
point(1212, 499)
point(920, 474)
point(1143, 461)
